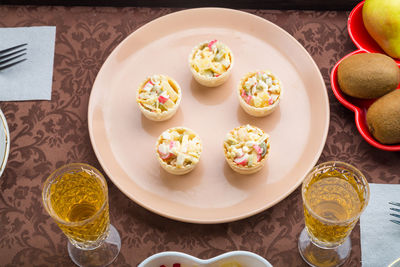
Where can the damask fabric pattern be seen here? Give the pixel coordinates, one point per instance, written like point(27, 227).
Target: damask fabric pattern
point(48, 134)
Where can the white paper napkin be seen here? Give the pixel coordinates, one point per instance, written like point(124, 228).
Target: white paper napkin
point(380, 238)
point(31, 79)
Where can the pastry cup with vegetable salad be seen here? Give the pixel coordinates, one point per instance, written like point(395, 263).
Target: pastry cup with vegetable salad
point(259, 93)
point(178, 150)
point(211, 63)
point(246, 149)
point(158, 97)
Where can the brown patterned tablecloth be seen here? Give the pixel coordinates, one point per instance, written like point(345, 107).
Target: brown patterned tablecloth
point(48, 134)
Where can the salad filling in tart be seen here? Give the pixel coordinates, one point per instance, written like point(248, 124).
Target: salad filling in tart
point(259, 93)
point(178, 150)
point(158, 97)
point(211, 63)
point(246, 149)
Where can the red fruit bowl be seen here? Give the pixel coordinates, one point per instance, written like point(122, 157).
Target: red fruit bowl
point(366, 44)
point(359, 107)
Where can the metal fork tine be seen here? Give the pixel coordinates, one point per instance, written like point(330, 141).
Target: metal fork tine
point(11, 58)
point(394, 203)
point(396, 222)
point(11, 48)
point(11, 64)
point(12, 53)
point(395, 209)
point(395, 215)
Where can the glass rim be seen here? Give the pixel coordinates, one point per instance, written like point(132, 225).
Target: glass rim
point(46, 189)
point(348, 166)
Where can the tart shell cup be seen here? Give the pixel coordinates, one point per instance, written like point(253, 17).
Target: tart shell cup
point(245, 169)
point(254, 111)
point(172, 169)
point(163, 116)
point(210, 81)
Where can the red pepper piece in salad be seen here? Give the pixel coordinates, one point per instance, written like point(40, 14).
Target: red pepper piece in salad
point(211, 43)
point(241, 160)
point(162, 99)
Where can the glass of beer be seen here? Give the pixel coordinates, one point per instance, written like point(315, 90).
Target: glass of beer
point(76, 197)
point(334, 196)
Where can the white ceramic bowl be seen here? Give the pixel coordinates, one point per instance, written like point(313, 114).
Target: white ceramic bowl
point(396, 263)
point(168, 258)
point(4, 142)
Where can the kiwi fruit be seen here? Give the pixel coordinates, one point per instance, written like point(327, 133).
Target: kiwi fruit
point(383, 118)
point(368, 75)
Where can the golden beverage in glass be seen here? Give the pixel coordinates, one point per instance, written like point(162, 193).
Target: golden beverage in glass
point(334, 196)
point(76, 197)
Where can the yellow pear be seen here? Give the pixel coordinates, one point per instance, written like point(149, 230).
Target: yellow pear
point(382, 21)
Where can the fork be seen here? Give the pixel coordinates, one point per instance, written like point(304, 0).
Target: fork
point(12, 56)
point(395, 214)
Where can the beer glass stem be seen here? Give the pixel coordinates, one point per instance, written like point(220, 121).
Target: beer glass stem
point(100, 256)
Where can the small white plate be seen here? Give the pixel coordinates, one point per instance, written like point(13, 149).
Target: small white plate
point(168, 258)
point(4, 142)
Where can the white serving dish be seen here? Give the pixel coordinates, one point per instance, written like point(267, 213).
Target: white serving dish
point(168, 258)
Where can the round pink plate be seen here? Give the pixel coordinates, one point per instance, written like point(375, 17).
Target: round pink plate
point(124, 140)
